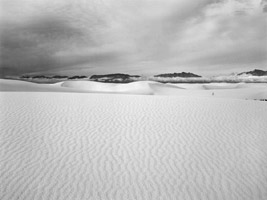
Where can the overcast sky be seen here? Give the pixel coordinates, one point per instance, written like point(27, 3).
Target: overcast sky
point(132, 36)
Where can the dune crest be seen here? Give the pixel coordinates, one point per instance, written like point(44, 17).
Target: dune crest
point(215, 90)
point(140, 87)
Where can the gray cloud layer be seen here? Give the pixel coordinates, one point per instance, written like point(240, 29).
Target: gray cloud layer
point(132, 36)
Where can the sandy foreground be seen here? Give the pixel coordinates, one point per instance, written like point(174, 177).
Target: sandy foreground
point(75, 146)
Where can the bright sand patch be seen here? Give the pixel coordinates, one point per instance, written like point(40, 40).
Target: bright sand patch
point(215, 90)
point(71, 146)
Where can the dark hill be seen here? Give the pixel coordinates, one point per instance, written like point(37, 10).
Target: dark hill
point(77, 77)
point(115, 78)
point(255, 72)
point(182, 75)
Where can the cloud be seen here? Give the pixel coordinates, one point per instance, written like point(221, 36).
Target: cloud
point(141, 36)
point(31, 46)
point(223, 39)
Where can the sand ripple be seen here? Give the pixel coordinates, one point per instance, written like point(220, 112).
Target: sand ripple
point(95, 146)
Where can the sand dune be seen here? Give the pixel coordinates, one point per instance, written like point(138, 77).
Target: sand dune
point(224, 86)
point(219, 90)
point(66, 146)
point(140, 87)
point(23, 86)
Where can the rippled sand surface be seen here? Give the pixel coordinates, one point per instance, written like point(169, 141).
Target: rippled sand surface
point(68, 146)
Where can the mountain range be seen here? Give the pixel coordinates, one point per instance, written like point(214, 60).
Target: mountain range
point(255, 72)
point(255, 75)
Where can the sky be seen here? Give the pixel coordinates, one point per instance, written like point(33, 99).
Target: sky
point(146, 37)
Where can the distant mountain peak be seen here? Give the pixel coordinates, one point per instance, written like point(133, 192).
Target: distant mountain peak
point(115, 78)
point(255, 72)
point(182, 75)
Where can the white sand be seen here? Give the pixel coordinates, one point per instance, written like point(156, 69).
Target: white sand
point(71, 146)
point(220, 90)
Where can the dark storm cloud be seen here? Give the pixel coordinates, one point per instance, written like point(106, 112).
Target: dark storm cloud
point(30, 47)
point(131, 35)
point(264, 5)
